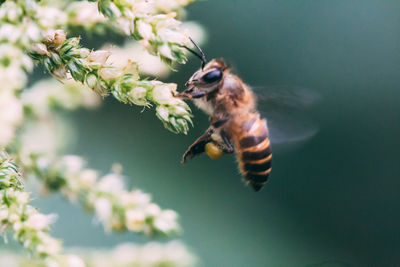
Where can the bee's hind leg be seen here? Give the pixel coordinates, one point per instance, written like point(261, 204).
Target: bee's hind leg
point(198, 146)
point(228, 147)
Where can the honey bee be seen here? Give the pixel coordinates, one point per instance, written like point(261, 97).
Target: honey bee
point(236, 125)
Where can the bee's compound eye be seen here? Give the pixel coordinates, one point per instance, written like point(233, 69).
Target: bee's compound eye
point(213, 76)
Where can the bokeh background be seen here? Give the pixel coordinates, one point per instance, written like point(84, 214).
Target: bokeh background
point(331, 201)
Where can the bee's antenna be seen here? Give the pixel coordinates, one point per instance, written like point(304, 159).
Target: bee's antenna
point(201, 56)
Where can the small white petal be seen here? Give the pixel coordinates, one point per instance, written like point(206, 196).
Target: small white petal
point(145, 30)
point(99, 56)
point(109, 73)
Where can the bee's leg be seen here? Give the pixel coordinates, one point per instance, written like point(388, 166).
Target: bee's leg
point(228, 148)
point(189, 94)
point(198, 146)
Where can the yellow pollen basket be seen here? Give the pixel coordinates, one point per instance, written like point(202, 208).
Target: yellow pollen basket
point(213, 151)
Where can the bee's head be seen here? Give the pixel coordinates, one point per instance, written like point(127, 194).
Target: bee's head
point(206, 79)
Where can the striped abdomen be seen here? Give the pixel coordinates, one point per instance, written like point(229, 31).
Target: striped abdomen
point(254, 152)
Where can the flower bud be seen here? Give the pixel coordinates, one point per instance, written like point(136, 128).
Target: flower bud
point(145, 30)
point(84, 52)
point(41, 49)
point(162, 94)
point(114, 9)
point(99, 56)
point(74, 41)
point(165, 51)
point(138, 96)
point(91, 80)
point(127, 26)
point(171, 36)
point(100, 88)
point(180, 110)
point(60, 73)
point(132, 68)
point(59, 37)
point(48, 35)
point(163, 113)
point(109, 73)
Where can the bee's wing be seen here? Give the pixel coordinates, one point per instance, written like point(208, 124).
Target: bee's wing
point(288, 112)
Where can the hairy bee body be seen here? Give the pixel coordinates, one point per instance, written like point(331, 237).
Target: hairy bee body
point(236, 125)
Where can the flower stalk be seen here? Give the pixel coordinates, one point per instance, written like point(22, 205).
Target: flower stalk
point(105, 196)
point(63, 57)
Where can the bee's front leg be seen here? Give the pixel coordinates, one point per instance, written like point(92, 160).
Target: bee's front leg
point(198, 146)
point(190, 94)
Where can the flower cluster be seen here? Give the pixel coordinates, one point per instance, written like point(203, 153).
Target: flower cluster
point(17, 24)
point(28, 31)
point(171, 254)
point(116, 208)
point(9, 174)
point(29, 227)
point(158, 33)
point(21, 24)
point(149, 64)
point(63, 57)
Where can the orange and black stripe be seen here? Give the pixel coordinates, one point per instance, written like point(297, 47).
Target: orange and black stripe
point(254, 153)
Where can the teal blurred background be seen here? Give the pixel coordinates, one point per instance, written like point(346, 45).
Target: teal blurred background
point(333, 198)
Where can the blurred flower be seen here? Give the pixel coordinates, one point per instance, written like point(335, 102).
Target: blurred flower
point(116, 208)
point(85, 13)
point(173, 253)
point(10, 116)
point(50, 17)
point(148, 64)
point(111, 183)
point(46, 95)
point(103, 209)
point(29, 227)
point(40, 221)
